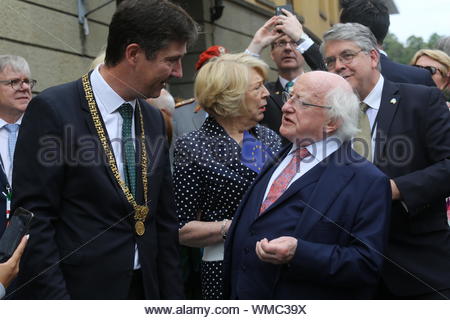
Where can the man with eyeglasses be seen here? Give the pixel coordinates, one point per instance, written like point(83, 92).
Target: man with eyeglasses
point(374, 14)
point(408, 134)
point(15, 94)
point(314, 223)
point(290, 47)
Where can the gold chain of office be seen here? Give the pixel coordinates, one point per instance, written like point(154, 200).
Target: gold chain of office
point(140, 211)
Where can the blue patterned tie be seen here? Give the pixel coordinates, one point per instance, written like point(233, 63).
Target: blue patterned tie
point(129, 156)
point(12, 129)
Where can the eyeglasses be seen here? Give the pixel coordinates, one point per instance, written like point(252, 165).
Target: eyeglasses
point(430, 69)
point(346, 57)
point(17, 84)
point(282, 44)
point(287, 97)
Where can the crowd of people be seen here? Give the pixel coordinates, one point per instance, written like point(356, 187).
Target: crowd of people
point(323, 184)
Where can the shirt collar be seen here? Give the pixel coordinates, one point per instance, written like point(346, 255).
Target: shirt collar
point(4, 123)
point(105, 94)
point(321, 149)
point(284, 81)
point(373, 99)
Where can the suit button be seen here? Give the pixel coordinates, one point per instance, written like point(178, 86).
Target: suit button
point(244, 268)
point(246, 250)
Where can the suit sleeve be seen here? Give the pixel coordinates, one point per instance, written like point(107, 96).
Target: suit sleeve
point(359, 262)
point(313, 58)
point(37, 186)
point(431, 183)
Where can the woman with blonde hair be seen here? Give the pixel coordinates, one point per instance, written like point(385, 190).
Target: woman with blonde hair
point(215, 164)
point(437, 62)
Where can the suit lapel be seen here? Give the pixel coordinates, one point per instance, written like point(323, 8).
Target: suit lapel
point(310, 177)
point(333, 180)
point(3, 178)
point(390, 99)
point(93, 131)
point(259, 186)
point(276, 94)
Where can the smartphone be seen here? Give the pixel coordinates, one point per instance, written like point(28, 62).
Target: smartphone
point(287, 7)
point(18, 226)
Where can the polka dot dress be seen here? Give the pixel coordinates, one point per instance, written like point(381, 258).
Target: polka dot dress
point(210, 181)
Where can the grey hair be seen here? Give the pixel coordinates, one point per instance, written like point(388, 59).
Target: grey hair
point(355, 32)
point(344, 109)
point(16, 63)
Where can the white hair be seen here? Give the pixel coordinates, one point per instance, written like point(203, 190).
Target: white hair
point(16, 63)
point(344, 109)
point(164, 101)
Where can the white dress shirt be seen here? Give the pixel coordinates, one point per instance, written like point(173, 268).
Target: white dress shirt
point(318, 151)
point(7, 166)
point(108, 102)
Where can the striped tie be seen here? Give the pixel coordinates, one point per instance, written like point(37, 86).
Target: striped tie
point(282, 181)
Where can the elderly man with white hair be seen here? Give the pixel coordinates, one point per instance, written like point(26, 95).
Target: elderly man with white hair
point(314, 223)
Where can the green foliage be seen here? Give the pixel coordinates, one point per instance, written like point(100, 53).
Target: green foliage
point(404, 53)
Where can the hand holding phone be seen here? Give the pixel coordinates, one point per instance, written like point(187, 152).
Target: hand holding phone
point(10, 269)
point(287, 7)
point(18, 227)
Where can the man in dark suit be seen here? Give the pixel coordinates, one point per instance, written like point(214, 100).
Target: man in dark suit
point(375, 15)
point(314, 224)
point(290, 47)
point(15, 94)
point(409, 136)
point(97, 171)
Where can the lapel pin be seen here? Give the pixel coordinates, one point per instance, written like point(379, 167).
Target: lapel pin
point(393, 101)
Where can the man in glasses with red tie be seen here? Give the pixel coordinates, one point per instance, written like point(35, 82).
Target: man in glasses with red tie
point(314, 223)
point(15, 94)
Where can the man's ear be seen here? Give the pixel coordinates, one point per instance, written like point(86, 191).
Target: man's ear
point(132, 52)
point(374, 57)
point(332, 126)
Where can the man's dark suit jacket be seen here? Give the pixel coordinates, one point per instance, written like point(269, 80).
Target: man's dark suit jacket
point(338, 211)
point(402, 73)
point(82, 240)
point(273, 114)
point(3, 184)
point(413, 148)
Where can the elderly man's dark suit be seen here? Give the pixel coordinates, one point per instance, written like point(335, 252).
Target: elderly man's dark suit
point(413, 148)
point(339, 213)
point(83, 229)
point(273, 114)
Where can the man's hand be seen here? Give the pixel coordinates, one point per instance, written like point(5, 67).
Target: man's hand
point(289, 25)
point(10, 268)
point(277, 251)
point(395, 192)
point(264, 36)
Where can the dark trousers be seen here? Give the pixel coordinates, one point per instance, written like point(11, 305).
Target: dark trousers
point(136, 291)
